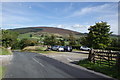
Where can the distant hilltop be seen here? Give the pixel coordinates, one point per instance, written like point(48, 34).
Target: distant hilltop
point(50, 30)
point(45, 29)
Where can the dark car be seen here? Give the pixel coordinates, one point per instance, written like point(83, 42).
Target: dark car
point(68, 48)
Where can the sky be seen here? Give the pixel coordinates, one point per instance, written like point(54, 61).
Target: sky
point(76, 16)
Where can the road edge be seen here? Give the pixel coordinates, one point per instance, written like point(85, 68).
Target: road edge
point(83, 68)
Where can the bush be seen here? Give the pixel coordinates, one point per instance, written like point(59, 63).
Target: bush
point(27, 42)
point(113, 48)
point(76, 47)
point(8, 38)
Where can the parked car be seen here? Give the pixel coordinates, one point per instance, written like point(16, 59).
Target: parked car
point(84, 48)
point(61, 48)
point(54, 48)
point(68, 48)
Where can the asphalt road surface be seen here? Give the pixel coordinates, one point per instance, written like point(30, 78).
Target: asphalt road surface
point(33, 65)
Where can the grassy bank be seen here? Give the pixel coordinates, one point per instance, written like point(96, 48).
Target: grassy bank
point(2, 70)
point(76, 50)
point(4, 51)
point(110, 71)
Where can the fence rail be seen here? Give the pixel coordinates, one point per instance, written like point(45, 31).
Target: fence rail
point(106, 57)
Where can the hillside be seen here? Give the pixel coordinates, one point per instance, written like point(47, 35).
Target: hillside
point(50, 30)
point(45, 29)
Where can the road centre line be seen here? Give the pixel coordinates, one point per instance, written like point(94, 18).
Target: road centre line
point(38, 62)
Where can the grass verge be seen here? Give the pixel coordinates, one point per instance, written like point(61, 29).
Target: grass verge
point(110, 71)
point(2, 70)
point(4, 51)
point(76, 50)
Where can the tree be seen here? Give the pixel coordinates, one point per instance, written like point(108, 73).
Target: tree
point(60, 42)
point(27, 42)
point(9, 38)
point(118, 40)
point(99, 35)
point(50, 40)
point(83, 41)
point(72, 39)
point(114, 42)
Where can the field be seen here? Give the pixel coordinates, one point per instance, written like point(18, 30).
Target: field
point(27, 35)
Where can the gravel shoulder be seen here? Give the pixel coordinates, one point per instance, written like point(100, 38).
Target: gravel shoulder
point(5, 59)
point(68, 57)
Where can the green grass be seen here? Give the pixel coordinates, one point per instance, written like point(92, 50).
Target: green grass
point(2, 71)
point(76, 50)
point(27, 35)
point(4, 51)
point(110, 71)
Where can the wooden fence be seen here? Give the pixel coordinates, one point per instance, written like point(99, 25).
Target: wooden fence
point(104, 57)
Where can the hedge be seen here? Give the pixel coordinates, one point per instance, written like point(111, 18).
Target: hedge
point(76, 47)
point(113, 48)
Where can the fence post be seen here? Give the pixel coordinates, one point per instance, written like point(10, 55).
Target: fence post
point(90, 55)
point(109, 53)
point(118, 61)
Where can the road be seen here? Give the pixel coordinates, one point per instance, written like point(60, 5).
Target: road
point(33, 65)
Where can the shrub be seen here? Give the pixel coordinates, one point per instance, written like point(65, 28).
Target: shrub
point(27, 42)
point(76, 47)
point(113, 48)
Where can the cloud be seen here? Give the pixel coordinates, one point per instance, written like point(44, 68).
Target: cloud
point(60, 26)
point(67, 17)
point(108, 17)
point(106, 8)
point(111, 19)
point(114, 26)
point(78, 26)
